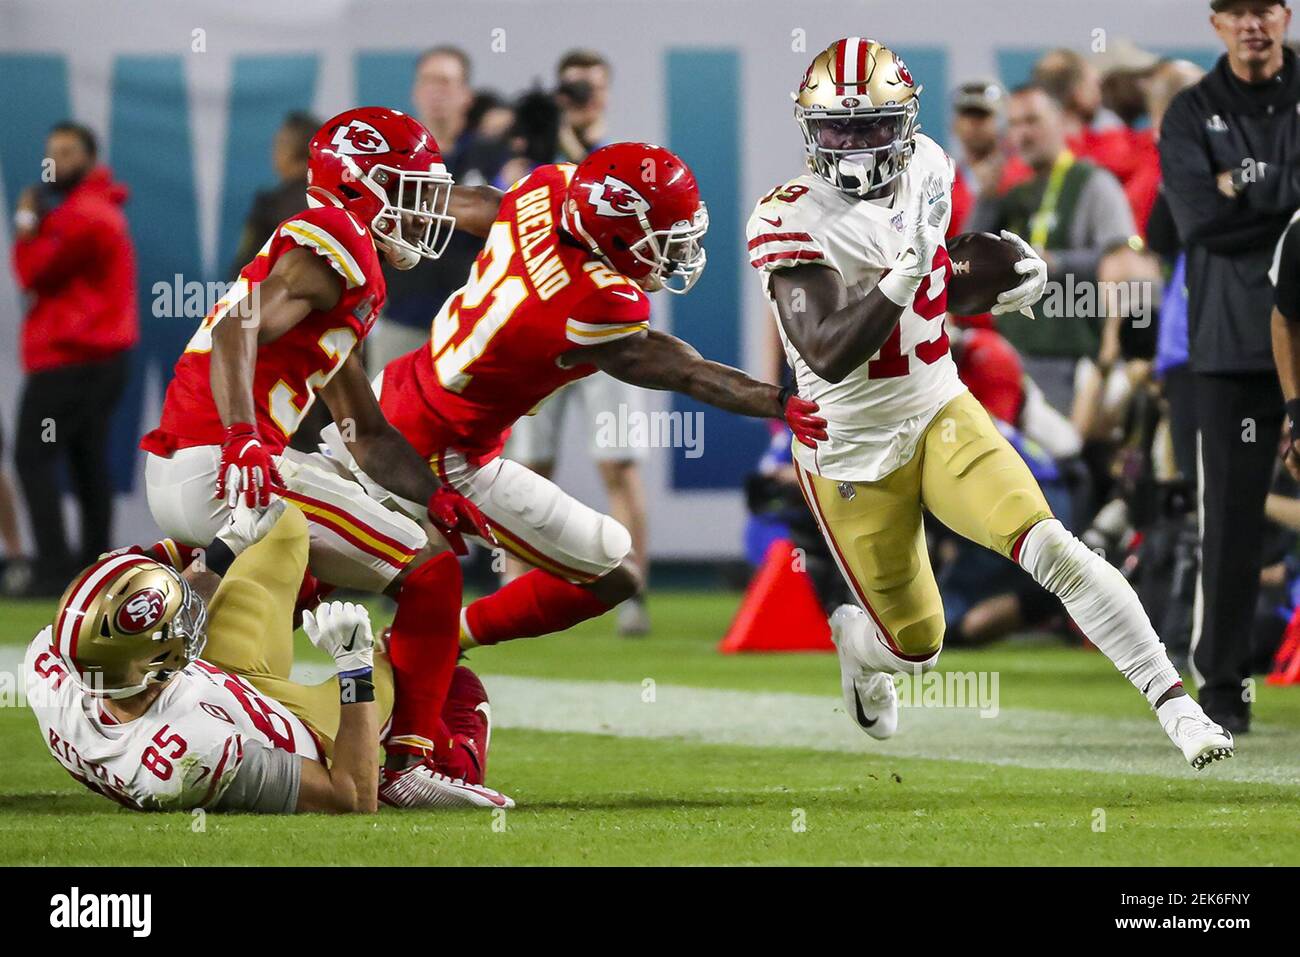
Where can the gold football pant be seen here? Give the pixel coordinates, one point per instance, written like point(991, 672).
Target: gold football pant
point(968, 476)
point(250, 630)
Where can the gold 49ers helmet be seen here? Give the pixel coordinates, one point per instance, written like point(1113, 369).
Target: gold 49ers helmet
point(126, 622)
point(857, 107)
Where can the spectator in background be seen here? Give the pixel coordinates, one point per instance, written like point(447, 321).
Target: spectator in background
point(581, 98)
point(983, 168)
point(1228, 149)
point(1168, 80)
point(72, 254)
point(442, 97)
point(1075, 84)
point(17, 570)
point(563, 126)
point(1126, 81)
point(583, 94)
point(490, 116)
point(1071, 210)
point(274, 205)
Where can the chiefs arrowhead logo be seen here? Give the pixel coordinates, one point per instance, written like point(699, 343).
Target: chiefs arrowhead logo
point(141, 611)
point(613, 197)
point(358, 138)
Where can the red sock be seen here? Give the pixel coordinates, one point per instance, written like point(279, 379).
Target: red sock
point(423, 647)
point(311, 593)
point(536, 603)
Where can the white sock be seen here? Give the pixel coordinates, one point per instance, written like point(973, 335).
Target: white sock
point(881, 657)
point(1101, 603)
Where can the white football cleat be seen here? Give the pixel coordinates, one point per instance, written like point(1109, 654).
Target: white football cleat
point(422, 786)
point(1192, 732)
point(870, 696)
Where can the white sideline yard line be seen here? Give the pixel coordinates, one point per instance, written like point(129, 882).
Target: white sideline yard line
point(1016, 737)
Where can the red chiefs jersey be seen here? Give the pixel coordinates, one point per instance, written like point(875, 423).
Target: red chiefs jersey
point(494, 354)
point(290, 369)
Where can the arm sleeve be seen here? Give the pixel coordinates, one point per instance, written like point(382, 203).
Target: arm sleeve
point(1205, 217)
point(267, 782)
point(1285, 274)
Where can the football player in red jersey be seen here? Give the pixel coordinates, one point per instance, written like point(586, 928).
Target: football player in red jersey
point(558, 292)
point(285, 333)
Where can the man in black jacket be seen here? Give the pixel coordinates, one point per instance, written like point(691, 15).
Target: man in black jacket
point(1230, 156)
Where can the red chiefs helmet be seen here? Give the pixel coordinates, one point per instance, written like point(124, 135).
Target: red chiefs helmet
point(384, 167)
point(638, 208)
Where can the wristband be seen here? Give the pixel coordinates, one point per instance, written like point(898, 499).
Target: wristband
point(219, 557)
point(1293, 414)
point(899, 289)
point(25, 220)
point(783, 396)
point(356, 687)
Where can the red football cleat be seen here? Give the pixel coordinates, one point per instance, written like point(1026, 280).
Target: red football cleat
point(468, 715)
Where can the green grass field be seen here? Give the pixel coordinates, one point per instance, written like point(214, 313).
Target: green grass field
point(661, 751)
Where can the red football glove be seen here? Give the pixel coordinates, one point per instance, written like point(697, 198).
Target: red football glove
point(454, 515)
point(246, 466)
point(798, 413)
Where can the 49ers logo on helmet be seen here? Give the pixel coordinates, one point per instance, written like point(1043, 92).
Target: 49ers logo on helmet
point(904, 74)
point(613, 197)
point(358, 138)
point(141, 611)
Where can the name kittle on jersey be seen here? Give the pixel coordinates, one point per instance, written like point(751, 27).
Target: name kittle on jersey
point(877, 414)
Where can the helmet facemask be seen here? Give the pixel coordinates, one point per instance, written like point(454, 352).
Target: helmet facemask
point(675, 255)
point(413, 223)
point(860, 150)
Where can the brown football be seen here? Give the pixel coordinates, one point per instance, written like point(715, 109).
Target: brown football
point(983, 265)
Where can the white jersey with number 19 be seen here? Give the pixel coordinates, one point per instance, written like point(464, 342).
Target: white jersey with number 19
point(877, 414)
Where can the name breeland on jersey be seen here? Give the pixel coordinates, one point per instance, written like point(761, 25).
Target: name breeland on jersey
point(536, 232)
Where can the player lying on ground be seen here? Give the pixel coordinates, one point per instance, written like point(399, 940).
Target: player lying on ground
point(558, 292)
point(287, 332)
point(853, 259)
point(128, 707)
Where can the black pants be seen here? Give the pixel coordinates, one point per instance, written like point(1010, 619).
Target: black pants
point(1239, 419)
point(65, 414)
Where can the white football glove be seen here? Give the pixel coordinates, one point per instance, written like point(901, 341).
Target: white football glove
point(922, 234)
point(1031, 288)
point(247, 526)
point(342, 630)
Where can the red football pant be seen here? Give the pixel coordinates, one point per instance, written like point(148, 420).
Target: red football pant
point(535, 603)
point(423, 646)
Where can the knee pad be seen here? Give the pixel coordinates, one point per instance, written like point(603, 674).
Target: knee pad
point(615, 541)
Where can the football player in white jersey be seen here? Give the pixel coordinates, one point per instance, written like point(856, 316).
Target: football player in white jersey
point(130, 710)
point(853, 260)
